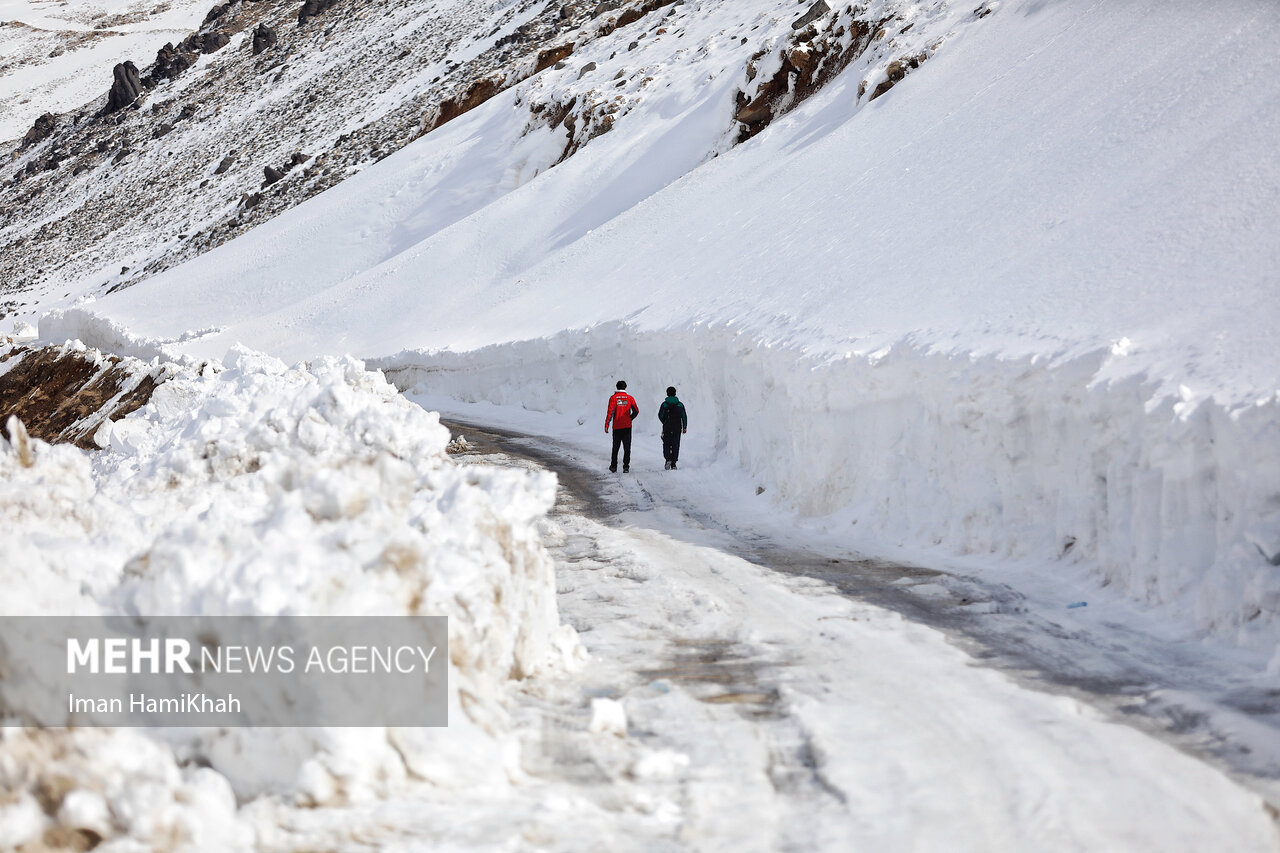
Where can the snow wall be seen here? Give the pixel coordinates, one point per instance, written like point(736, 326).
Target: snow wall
point(1176, 503)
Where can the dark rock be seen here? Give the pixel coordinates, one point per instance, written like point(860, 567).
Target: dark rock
point(551, 56)
point(894, 73)
point(479, 92)
point(263, 38)
point(816, 11)
point(193, 43)
point(224, 165)
point(587, 69)
point(162, 130)
point(250, 202)
point(187, 112)
point(41, 130)
point(314, 8)
point(214, 42)
point(272, 175)
point(120, 156)
point(172, 61)
point(126, 88)
point(521, 35)
point(215, 13)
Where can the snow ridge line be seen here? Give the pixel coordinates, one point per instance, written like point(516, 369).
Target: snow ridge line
point(1020, 458)
point(96, 332)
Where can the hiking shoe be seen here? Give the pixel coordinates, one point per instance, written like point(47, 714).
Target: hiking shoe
point(613, 469)
point(666, 466)
point(626, 469)
point(673, 466)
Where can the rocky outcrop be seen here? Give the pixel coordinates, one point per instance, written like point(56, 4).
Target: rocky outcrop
point(214, 41)
point(314, 8)
point(273, 175)
point(629, 15)
point(551, 56)
point(479, 92)
point(215, 13)
point(816, 11)
point(170, 62)
point(808, 62)
point(263, 38)
point(41, 130)
point(125, 89)
point(894, 73)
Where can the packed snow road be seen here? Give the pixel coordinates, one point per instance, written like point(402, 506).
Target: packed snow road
point(735, 699)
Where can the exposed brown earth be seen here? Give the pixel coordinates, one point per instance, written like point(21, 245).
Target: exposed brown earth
point(63, 395)
point(811, 61)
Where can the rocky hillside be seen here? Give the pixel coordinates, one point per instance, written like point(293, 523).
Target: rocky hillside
point(270, 102)
point(53, 53)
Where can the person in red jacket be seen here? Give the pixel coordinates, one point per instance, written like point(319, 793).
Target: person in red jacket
point(622, 408)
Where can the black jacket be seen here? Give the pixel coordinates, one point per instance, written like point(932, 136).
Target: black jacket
point(672, 415)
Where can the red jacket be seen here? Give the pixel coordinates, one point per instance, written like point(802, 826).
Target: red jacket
point(622, 408)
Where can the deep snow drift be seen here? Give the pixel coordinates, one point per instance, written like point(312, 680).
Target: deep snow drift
point(249, 487)
point(1023, 304)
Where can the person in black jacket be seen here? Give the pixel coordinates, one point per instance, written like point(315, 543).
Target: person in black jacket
point(674, 424)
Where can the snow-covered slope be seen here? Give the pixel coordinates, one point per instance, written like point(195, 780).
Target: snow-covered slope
point(1022, 303)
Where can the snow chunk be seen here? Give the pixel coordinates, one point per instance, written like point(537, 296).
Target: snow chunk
point(608, 717)
point(664, 764)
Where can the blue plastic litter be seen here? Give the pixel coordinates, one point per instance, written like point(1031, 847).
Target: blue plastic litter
point(1078, 604)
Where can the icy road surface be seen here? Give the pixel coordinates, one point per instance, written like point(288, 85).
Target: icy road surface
point(730, 706)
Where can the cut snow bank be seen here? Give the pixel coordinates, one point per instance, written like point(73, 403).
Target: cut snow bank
point(251, 487)
point(1033, 457)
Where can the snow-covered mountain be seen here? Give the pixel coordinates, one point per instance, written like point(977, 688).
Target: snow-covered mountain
point(985, 287)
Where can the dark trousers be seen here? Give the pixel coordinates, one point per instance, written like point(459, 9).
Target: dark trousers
point(671, 446)
point(621, 437)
